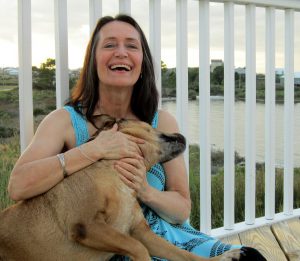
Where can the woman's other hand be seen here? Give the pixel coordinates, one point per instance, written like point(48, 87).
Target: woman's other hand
point(112, 144)
point(133, 173)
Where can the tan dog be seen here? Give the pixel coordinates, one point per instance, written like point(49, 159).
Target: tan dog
point(92, 214)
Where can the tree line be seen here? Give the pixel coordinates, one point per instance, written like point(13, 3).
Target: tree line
point(44, 78)
point(217, 84)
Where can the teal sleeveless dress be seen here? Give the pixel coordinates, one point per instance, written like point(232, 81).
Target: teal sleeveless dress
point(183, 236)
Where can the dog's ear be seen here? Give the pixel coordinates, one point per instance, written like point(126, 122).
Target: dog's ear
point(102, 122)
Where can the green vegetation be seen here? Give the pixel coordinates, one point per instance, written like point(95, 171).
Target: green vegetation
point(217, 196)
point(217, 84)
point(9, 153)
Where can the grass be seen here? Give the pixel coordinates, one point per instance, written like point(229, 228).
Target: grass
point(44, 102)
point(9, 153)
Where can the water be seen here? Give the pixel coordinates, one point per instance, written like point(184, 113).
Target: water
point(217, 128)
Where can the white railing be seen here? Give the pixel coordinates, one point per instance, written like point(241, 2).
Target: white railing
point(289, 7)
point(250, 221)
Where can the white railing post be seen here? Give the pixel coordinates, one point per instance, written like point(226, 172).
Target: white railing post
point(270, 114)
point(229, 167)
point(289, 114)
point(95, 12)
point(155, 40)
point(204, 107)
point(25, 73)
point(182, 98)
point(61, 52)
point(250, 123)
point(125, 6)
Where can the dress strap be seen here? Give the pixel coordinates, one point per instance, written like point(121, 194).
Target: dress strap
point(79, 124)
point(155, 120)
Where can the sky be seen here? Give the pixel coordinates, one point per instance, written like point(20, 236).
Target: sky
point(43, 45)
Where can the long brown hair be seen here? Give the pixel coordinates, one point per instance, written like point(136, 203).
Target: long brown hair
point(144, 100)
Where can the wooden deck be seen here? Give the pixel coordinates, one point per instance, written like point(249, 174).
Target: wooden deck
point(277, 242)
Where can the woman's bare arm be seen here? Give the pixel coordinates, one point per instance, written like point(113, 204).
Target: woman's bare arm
point(38, 169)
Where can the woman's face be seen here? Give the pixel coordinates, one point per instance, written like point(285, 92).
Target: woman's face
point(119, 55)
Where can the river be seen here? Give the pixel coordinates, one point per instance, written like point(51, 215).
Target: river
point(217, 128)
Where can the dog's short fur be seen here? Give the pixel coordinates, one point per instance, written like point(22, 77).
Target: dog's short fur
point(92, 214)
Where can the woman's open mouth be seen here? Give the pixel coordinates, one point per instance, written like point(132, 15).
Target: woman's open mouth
point(120, 67)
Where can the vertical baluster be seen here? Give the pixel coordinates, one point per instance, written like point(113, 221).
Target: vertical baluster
point(155, 39)
point(95, 12)
point(204, 106)
point(125, 6)
point(250, 118)
point(61, 52)
point(182, 72)
point(229, 170)
point(289, 113)
point(25, 73)
point(270, 114)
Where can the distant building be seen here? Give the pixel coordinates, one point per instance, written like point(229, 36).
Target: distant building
point(215, 63)
point(12, 71)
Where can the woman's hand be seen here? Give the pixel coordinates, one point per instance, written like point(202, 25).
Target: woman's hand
point(112, 144)
point(133, 173)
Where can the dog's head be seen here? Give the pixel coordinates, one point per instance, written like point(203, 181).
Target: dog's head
point(158, 146)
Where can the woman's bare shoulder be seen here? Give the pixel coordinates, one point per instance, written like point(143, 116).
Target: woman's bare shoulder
point(49, 138)
point(57, 119)
point(167, 122)
point(56, 128)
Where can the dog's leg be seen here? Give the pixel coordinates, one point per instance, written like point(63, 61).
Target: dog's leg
point(159, 247)
point(105, 238)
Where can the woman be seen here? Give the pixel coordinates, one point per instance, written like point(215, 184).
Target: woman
point(117, 79)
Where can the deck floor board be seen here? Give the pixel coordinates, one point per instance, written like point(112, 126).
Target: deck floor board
point(277, 242)
point(283, 231)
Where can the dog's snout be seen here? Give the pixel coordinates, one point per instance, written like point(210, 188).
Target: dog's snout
point(174, 138)
point(171, 146)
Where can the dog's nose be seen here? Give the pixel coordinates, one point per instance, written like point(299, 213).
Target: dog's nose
point(181, 139)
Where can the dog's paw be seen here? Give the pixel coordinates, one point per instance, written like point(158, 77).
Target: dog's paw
point(231, 255)
point(243, 254)
point(249, 253)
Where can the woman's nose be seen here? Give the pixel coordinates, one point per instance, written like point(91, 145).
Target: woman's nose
point(121, 51)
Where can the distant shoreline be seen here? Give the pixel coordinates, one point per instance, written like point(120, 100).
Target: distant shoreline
point(219, 97)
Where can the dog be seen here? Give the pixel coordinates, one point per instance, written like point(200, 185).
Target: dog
point(92, 215)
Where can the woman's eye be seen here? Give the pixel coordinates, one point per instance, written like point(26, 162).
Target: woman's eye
point(132, 46)
point(109, 45)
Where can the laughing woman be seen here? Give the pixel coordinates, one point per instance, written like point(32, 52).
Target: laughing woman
point(117, 79)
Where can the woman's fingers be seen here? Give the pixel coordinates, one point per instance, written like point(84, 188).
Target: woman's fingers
point(133, 172)
point(135, 139)
point(131, 168)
